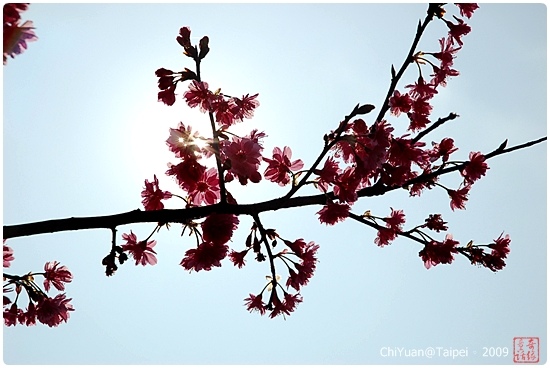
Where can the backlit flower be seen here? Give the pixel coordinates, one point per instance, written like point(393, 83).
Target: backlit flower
point(141, 251)
point(8, 254)
point(53, 311)
point(333, 212)
point(243, 156)
point(467, 9)
point(206, 189)
point(56, 275)
point(16, 35)
point(436, 252)
point(475, 168)
point(153, 196)
point(459, 197)
point(281, 164)
point(218, 227)
point(255, 303)
point(204, 257)
point(199, 95)
point(243, 108)
point(400, 103)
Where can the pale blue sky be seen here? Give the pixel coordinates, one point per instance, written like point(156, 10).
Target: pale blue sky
point(82, 130)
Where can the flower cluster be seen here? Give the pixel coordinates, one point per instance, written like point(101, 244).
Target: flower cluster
point(16, 35)
point(217, 230)
point(358, 159)
point(300, 259)
point(435, 252)
point(47, 310)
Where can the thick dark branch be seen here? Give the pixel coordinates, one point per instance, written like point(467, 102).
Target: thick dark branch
point(187, 214)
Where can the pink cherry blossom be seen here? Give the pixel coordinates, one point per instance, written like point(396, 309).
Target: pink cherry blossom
point(53, 311)
point(153, 196)
point(218, 227)
point(238, 257)
point(206, 189)
point(183, 142)
point(8, 254)
point(243, 156)
point(199, 95)
point(459, 197)
point(57, 276)
point(204, 257)
point(243, 108)
point(332, 213)
point(255, 303)
point(400, 103)
point(436, 252)
point(141, 251)
point(475, 168)
point(281, 165)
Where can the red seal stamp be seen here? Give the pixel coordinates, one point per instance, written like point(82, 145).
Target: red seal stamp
point(526, 350)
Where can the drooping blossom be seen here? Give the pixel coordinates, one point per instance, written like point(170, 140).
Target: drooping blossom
point(333, 212)
point(30, 314)
point(53, 311)
point(8, 254)
point(168, 96)
point(441, 74)
point(306, 267)
point(395, 220)
point(475, 168)
point(447, 53)
point(501, 246)
point(436, 252)
point(384, 236)
point(400, 103)
point(238, 257)
point(459, 197)
point(456, 31)
point(467, 9)
point(12, 314)
point(187, 173)
point(16, 35)
point(328, 174)
point(442, 149)
point(346, 185)
point(218, 227)
point(57, 276)
point(204, 257)
point(141, 251)
point(286, 306)
point(419, 115)
point(153, 196)
point(435, 223)
point(243, 108)
point(281, 164)
point(421, 90)
point(206, 189)
point(255, 303)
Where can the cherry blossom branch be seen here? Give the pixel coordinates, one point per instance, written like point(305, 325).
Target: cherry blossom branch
point(432, 9)
point(357, 110)
point(263, 233)
point(216, 148)
point(435, 125)
point(184, 215)
point(378, 227)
